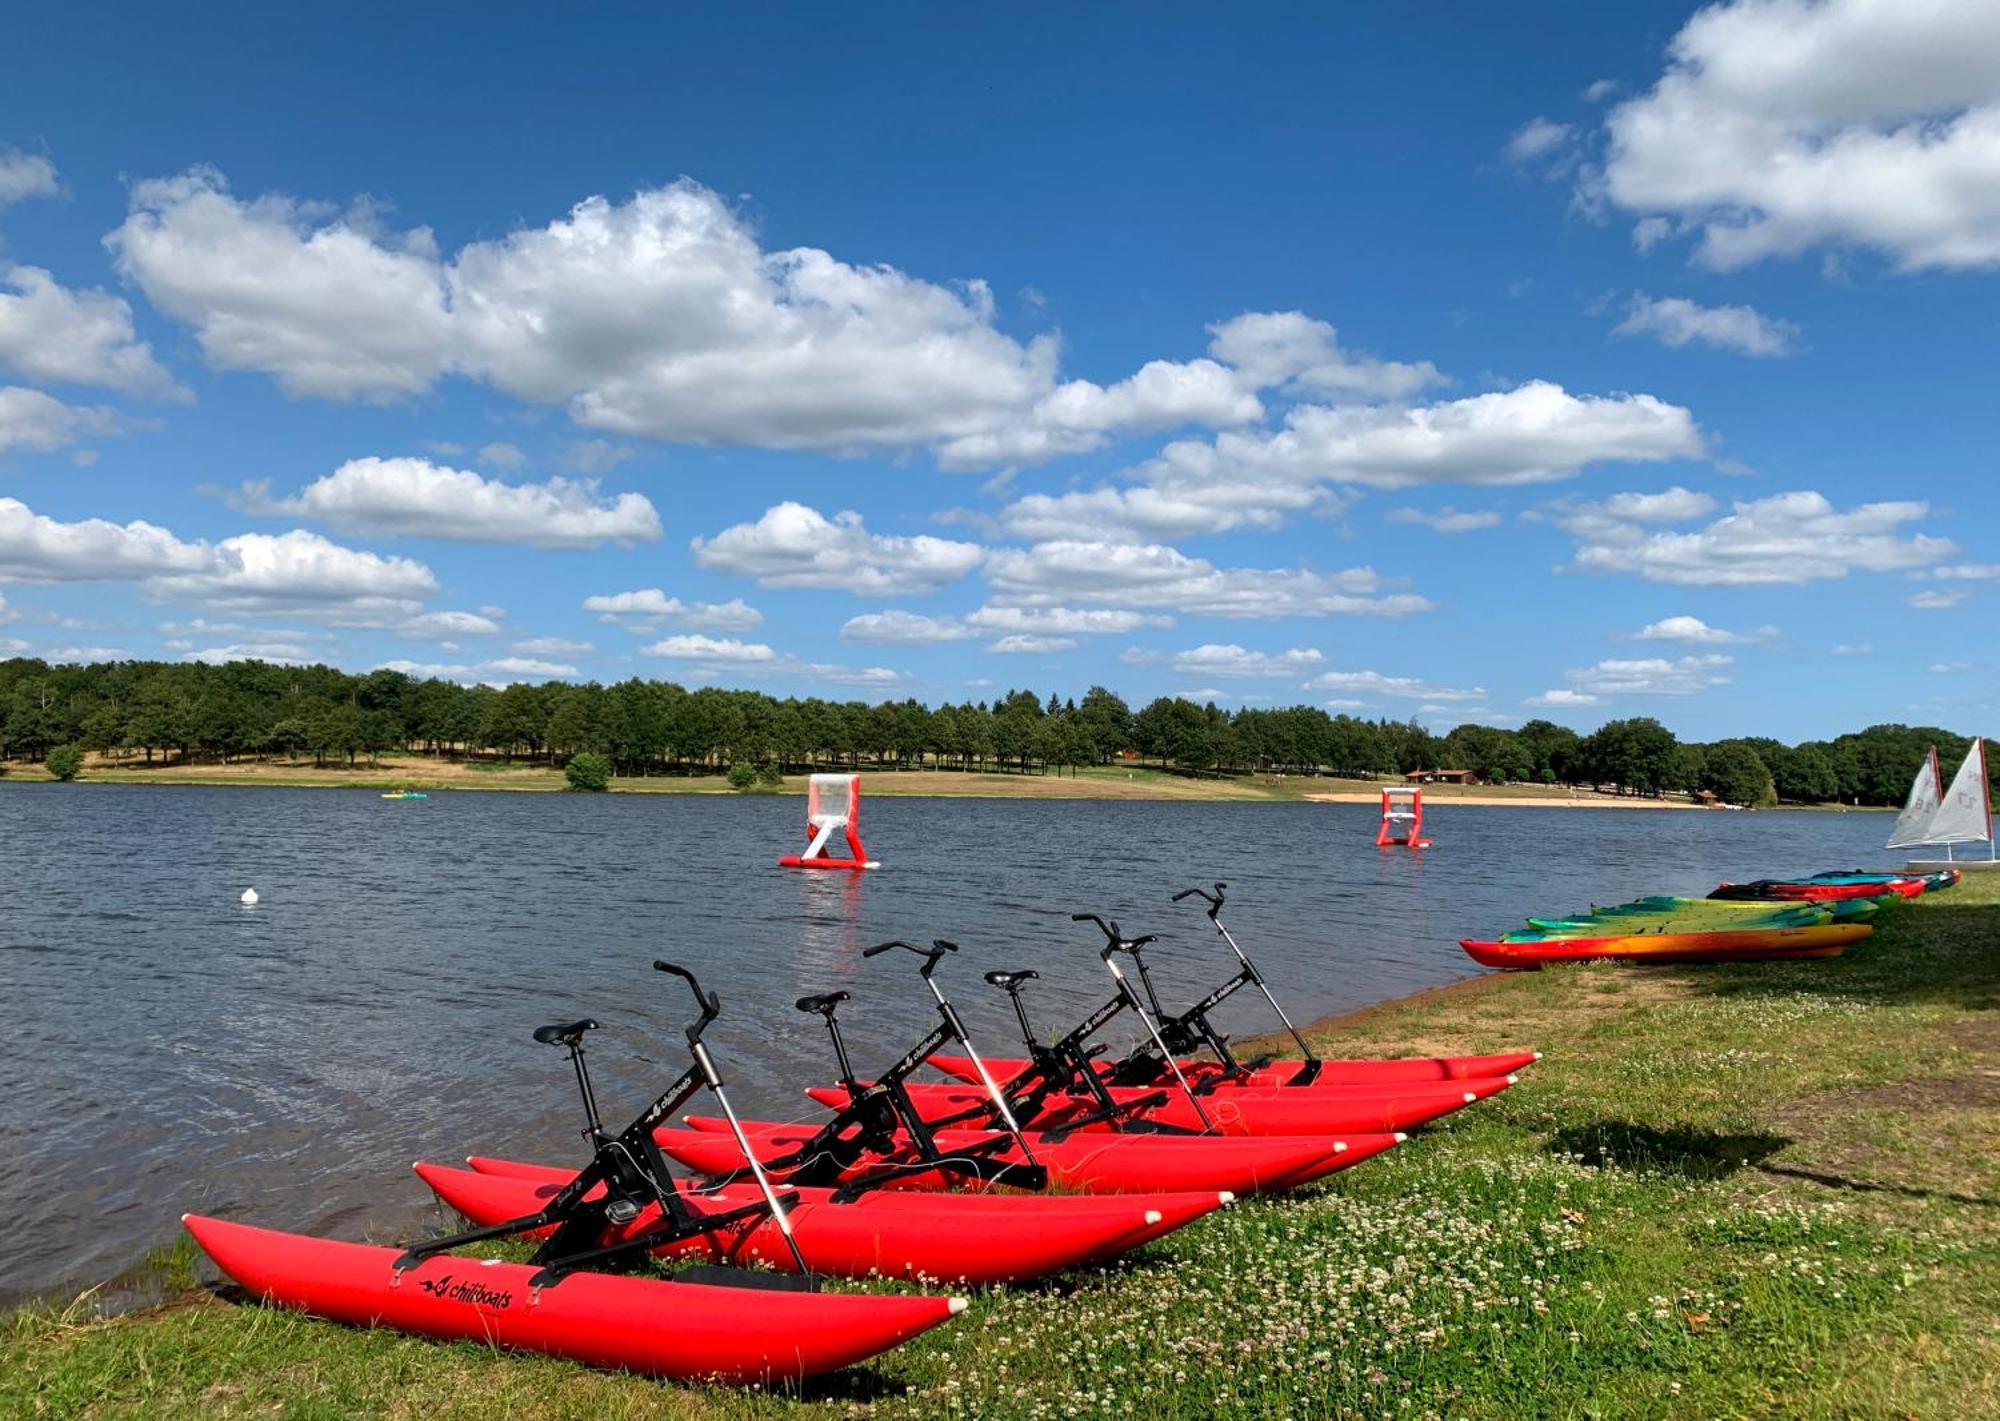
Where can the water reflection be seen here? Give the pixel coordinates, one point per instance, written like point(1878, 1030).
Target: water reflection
point(285, 1063)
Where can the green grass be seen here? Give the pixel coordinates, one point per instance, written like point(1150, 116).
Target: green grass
point(1755, 1190)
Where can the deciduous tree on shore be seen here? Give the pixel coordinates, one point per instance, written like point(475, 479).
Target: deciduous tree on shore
point(191, 712)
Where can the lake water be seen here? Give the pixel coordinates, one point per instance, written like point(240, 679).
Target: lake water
point(168, 1049)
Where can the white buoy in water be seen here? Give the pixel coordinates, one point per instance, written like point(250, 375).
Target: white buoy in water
point(249, 898)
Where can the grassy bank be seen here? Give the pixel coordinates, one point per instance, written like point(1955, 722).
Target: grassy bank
point(1133, 782)
point(1760, 1189)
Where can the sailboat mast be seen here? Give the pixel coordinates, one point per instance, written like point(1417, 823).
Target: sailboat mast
point(1986, 791)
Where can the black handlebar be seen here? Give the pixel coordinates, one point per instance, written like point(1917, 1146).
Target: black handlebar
point(931, 955)
point(709, 1002)
point(1214, 900)
point(1114, 939)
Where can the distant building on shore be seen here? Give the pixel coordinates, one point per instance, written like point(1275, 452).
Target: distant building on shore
point(1441, 777)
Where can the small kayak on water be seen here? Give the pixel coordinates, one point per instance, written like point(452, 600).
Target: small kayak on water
point(971, 1239)
point(1532, 949)
point(660, 1327)
point(1091, 1163)
point(406, 794)
point(1376, 1072)
point(1246, 1112)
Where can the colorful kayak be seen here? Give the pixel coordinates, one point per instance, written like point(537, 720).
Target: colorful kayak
point(976, 1240)
point(1090, 1163)
point(1814, 890)
point(1705, 915)
point(1384, 1071)
point(661, 1327)
point(1692, 914)
point(1932, 881)
point(1246, 1112)
point(1528, 950)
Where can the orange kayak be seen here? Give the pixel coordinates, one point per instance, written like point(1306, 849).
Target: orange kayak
point(1530, 950)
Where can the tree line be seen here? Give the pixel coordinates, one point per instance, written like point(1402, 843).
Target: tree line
point(190, 712)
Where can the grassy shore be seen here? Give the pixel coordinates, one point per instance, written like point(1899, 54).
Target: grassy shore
point(1133, 782)
point(1747, 1190)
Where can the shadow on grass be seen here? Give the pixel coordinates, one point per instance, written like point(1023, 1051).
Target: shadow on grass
point(1863, 1186)
point(1679, 1150)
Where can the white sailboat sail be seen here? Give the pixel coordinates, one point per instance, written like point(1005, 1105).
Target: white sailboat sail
point(1964, 815)
point(1913, 825)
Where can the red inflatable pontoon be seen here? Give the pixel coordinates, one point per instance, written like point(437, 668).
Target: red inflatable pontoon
point(823, 792)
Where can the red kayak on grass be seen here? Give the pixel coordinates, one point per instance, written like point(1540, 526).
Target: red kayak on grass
point(661, 1327)
point(1809, 891)
point(1247, 1112)
point(973, 1239)
point(1094, 1163)
point(1332, 1074)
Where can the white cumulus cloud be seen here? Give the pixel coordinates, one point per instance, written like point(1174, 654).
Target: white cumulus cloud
point(1408, 688)
point(1062, 621)
point(1228, 659)
point(660, 317)
point(1155, 576)
point(1027, 644)
point(1540, 142)
point(417, 498)
point(1791, 538)
point(530, 666)
point(1781, 125)
point(54, 335)
point(552, 646)
point(1646, 676)
point(1294, 352)
point(1446, 520)
point(649, 608)
point(898, 628)
point(300, 572)
point(792, 545)
point(25, 175)
point(1677, 321)
point(331, 305)
point(1938, 599)
point(1534, 433)
point(711, 658)
point(37, 423)
point(1695, 632)
point(261, 574)
point(446, 626)
point(695, 647)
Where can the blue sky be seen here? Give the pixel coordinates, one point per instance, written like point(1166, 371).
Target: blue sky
point(1568, 362)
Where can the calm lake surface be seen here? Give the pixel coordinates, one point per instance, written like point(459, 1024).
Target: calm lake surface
point(170, 1050)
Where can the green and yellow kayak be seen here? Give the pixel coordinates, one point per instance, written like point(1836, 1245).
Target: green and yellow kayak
point(1665, 915)
point(1671, 941)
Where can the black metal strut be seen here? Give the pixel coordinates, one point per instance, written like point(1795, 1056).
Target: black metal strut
point(876, 1111)
point(1195, 1028)
point(628, 1172)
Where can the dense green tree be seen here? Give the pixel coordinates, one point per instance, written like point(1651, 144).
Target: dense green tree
point(588, 771)
point(1806, 775)
point(1736, 774)
point(1636, 755)
point(1108, 720)
point(65, 761)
